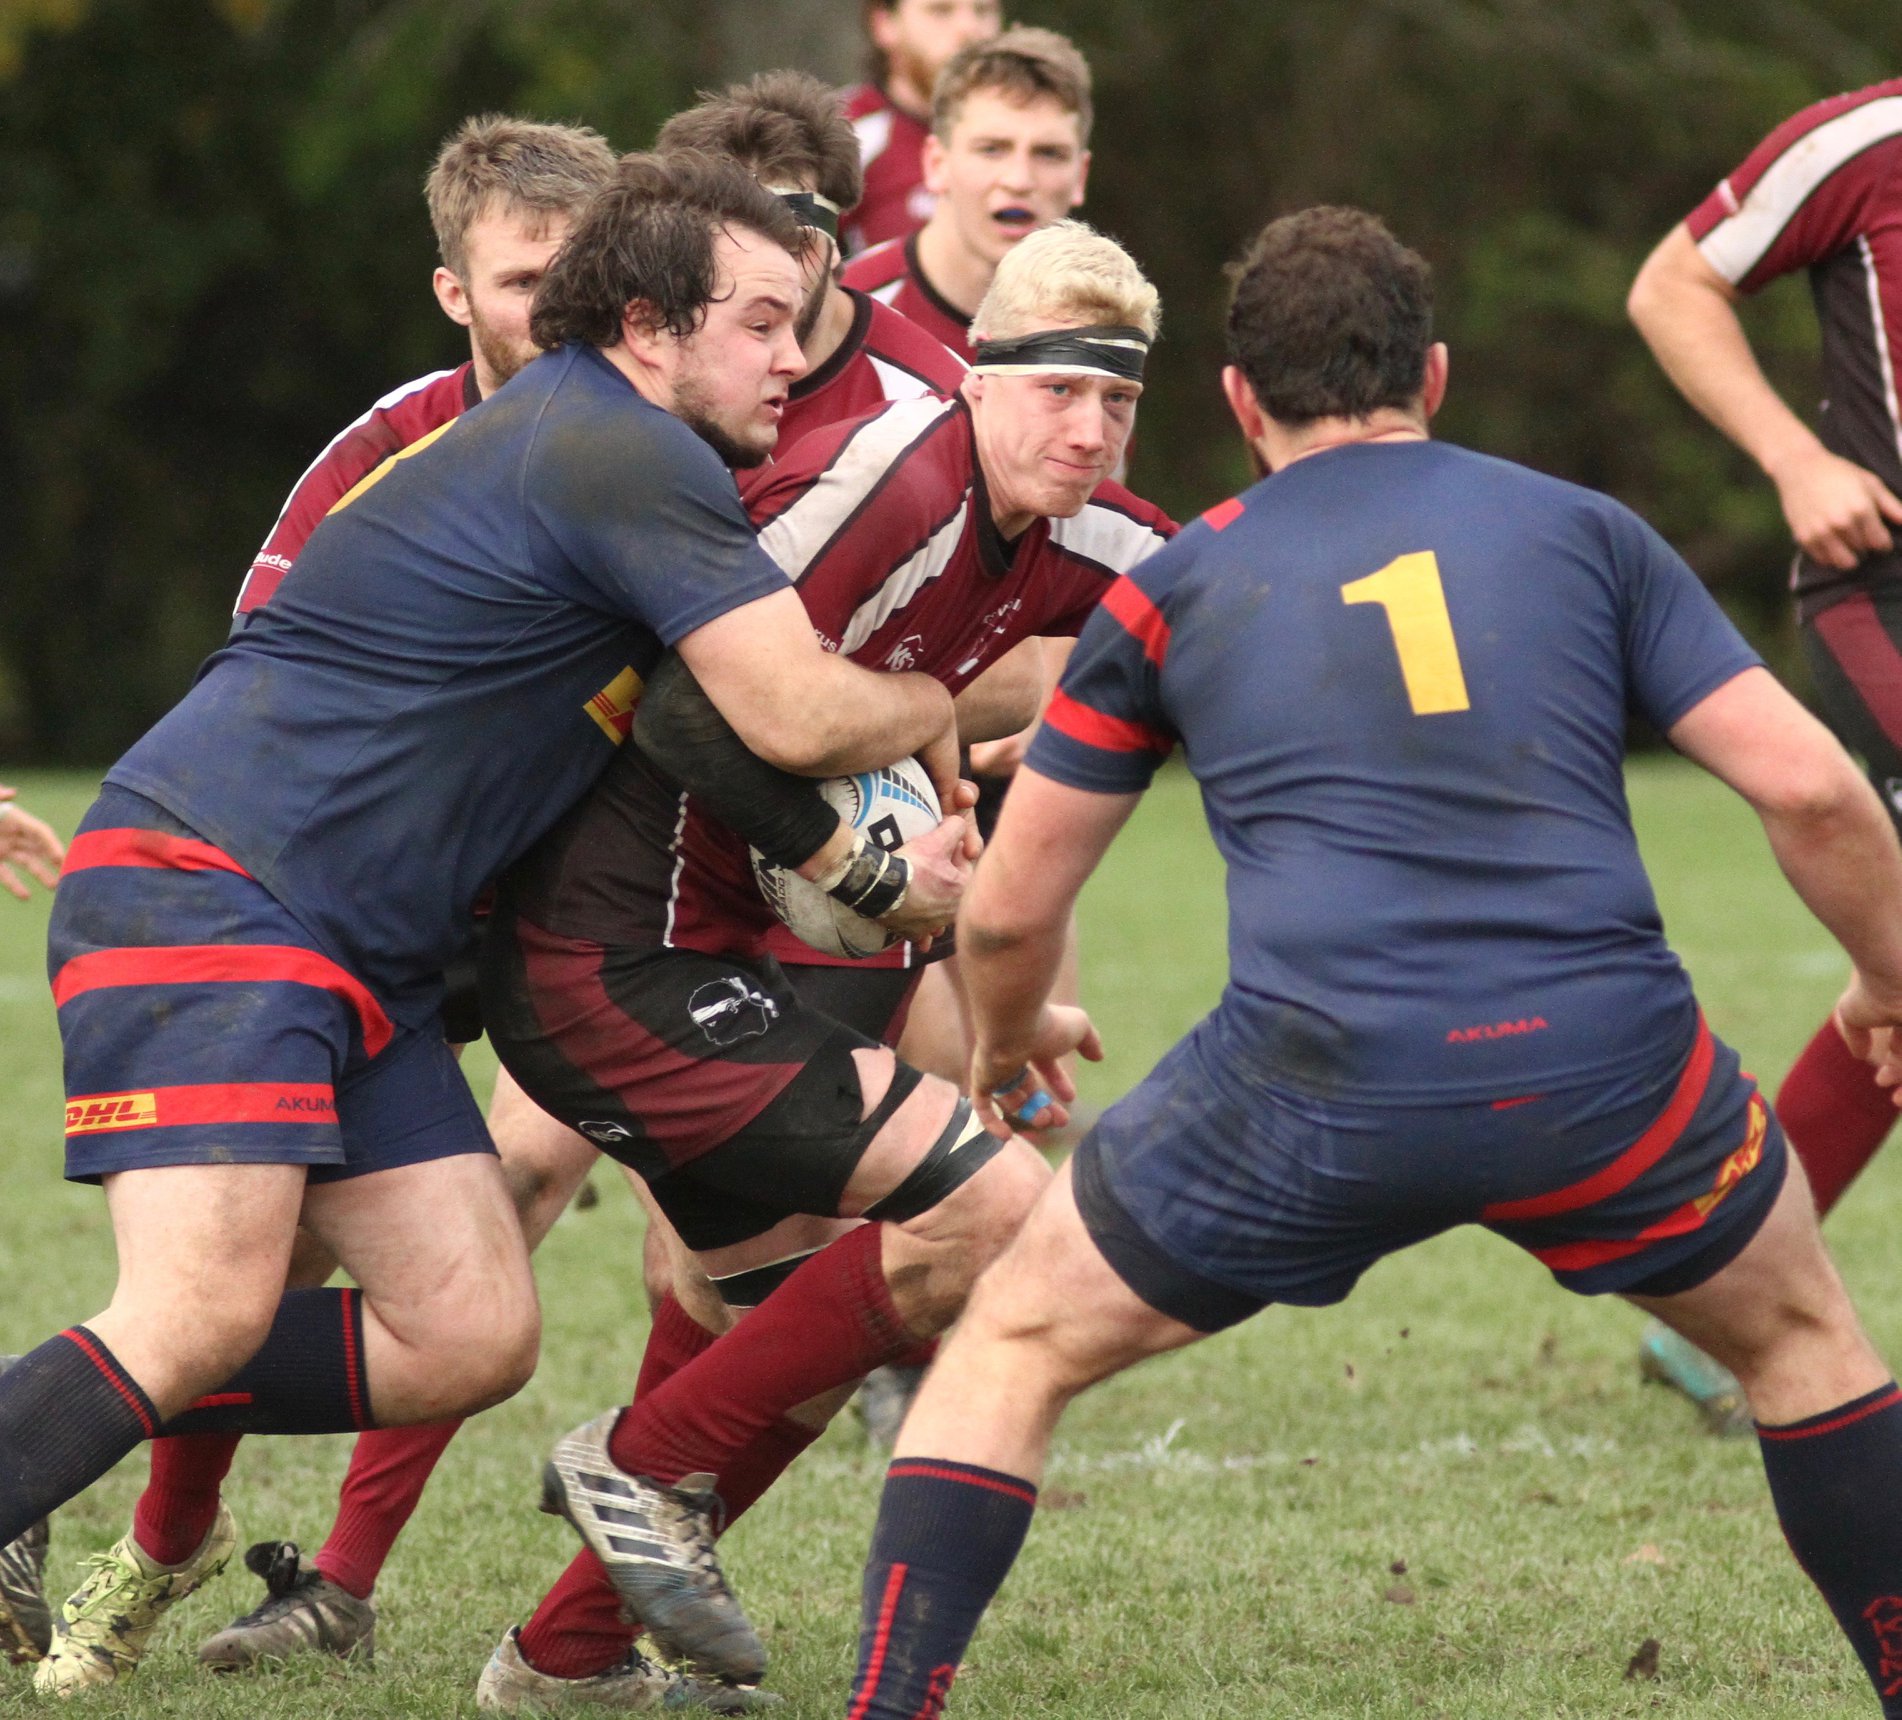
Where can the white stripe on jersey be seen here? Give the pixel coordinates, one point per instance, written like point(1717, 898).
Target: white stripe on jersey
point(800, 535)
point(887, 293)
point(1885, 362)
point(1737, 243)
point(897, 384)
point(874, 134)
point(673, 883)
point(905, 581)
point(393, 398)
point(1110, 539)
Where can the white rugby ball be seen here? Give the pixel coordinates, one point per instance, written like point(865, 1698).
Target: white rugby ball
point(890, 806)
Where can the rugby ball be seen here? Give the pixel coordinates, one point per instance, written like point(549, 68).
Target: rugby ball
point(891, 807)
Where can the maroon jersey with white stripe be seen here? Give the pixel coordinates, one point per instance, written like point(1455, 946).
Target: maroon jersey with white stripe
point(890, 273)
point(883, 525)
point(884, 357)
point(399, 420)
point(891, 150)
point(1823, 192)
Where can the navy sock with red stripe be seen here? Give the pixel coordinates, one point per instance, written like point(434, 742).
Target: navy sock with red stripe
point(68, 1413)
point(947, 1535)
point(307, 1376)
point(1836, 1479)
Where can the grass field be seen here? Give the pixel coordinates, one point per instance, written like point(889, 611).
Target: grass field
point(1449, 1497)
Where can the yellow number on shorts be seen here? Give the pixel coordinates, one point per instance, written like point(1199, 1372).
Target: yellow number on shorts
point(1409, 590)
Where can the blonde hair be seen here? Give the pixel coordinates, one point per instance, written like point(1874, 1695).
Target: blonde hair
point(1025, 63)
point(1067, 273)
point(544, 170)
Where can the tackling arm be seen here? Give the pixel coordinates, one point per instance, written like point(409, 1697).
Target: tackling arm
point(1686, 312)
point(810, 711)
point(1827, 829)
point(1049, 840)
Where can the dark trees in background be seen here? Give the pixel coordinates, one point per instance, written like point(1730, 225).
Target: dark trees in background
point(213, 252)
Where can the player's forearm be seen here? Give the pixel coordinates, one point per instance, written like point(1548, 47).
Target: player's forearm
point(1839, 851)
point(860, 720)
point(1009, 969)
point(1686, 317)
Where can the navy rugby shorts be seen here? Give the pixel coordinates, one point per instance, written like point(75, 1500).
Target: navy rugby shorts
point(1211, 1203)
point(203, 1025)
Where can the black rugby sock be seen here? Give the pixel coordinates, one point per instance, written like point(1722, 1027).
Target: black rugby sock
point(947, 1535)
point(68, 1413)
point(1837, 1482)
point(307, 1376)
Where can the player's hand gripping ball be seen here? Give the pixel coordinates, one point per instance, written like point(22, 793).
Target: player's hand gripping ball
point(889, 807)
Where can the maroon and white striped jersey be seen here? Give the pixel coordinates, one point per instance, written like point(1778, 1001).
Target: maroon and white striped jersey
point(401, 419)
point(1823, 192)
point(885, 529)
point(891, 150)
point(890, 273)
point(884, 357)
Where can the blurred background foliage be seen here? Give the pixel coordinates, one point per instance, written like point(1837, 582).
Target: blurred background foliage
point(213, 251)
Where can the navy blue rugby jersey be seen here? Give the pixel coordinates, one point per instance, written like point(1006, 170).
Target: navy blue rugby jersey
point(452, 660)
point(1401, 675)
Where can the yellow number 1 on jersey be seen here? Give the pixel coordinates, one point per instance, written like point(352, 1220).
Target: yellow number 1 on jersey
point(1409, 590)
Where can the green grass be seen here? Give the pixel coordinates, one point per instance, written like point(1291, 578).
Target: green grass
point(1228, 1521)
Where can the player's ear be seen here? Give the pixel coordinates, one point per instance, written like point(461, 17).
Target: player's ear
point(931, 161)
point(1082, 179)
point(1437, 365)
point(1240, 394)
point(452, 296)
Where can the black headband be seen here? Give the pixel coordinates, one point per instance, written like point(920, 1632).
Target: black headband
point(1099, 351)
point(809, 209)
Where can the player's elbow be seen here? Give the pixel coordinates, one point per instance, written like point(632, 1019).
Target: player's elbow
point(1818, 793)
point(1645, 302)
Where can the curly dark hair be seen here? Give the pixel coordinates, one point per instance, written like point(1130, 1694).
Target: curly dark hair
point(1331, 316)
point(781, 127)
point(646, 239)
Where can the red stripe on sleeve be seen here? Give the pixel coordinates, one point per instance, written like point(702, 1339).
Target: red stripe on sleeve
point(146, 848)
point(202, 964)
point(1635, 1160)
point(207, 1102)
point(1224, 514)
point(1093, 728)
point(1140, 618)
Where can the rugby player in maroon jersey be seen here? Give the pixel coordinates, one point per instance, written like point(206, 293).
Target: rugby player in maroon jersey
point(1821, 193)
point(937, 535)
point(1008, 153)
point(911, 42)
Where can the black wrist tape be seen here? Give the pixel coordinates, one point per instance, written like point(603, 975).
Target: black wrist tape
point(874, 883)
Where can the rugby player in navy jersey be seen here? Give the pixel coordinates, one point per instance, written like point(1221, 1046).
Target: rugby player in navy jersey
point(935, 535)
point(1400, 672)
point(248, 944)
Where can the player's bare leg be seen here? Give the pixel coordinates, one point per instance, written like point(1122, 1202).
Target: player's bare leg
point(1050, 1319)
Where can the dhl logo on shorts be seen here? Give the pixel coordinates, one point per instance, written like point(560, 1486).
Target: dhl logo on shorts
point(111, 1111)
point(1740, 1163)
point(612, 709)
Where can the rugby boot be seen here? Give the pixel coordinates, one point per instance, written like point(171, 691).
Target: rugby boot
point(102, 1633)
point(656, 1544)
point(633, 1685)
point(303, 1612)
point(1668, 1360)
point(26, 1622)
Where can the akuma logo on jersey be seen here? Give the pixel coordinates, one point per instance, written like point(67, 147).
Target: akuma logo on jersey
point(1740, 1163)
point(1497, 1030)
point(111, 1111)
point(905, 652)
point(729, 1010)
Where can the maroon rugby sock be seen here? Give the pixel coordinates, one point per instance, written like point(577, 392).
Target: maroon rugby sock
point(389, 1468)
point(832, 1321)
point(1835, 1115)
point(180, 1501)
